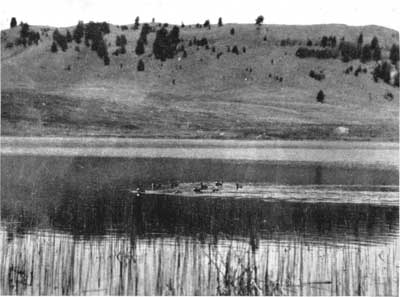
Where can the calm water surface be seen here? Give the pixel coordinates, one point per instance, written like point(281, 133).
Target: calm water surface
point(69, 225)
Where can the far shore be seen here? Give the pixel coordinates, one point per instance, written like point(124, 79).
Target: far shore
point(336, 152)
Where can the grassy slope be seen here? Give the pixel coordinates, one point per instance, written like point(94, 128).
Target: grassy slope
point(211, 98)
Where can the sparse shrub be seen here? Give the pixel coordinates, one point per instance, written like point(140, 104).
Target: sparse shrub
point(140, 65)
point(394, 54)
point(349, 69)
point(388, 96)
point(124, 27)
point(317, 76)
point(184, 55)
point(13, 22)
point(358, 70)
point(220, 22)
point(182, 25)
point(54, 48)
point(265, 38)
point(77, 49)
point(232, 31)
point(219, 55)
point(213, 49)
point(309, 42)
point(244, 49)
point(207, 24)
point(320, 96)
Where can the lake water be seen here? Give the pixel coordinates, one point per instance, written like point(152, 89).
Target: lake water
point(69, 225)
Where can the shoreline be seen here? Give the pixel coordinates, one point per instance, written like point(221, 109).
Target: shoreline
point(326, 152)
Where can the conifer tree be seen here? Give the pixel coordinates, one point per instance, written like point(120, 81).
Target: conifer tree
point(140, 65)
point(394, 54)
point(54, 48)
point(320, 96)
point(13, 22)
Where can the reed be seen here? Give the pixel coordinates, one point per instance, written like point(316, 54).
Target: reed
point(39, 264)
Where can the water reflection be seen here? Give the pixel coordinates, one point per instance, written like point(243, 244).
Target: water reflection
point(70, 226)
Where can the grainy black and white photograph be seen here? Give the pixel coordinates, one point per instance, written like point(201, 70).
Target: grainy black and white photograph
point(170, 147)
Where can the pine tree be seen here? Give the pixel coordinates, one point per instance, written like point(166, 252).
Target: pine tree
point(259, 20)
point(220, 22)
point(324, 41)
point(77, 34)
point(376, 54)
point(232, 31)
point(140, 65)
point(396, 80)
point(146, 29)
point(102, 49)
point(139, 50)
point(386, 69)
point(394, 54)
point(69, 36)
point(360, 40)
point(54, 48)
point(365, 53)
point(136, 25)
point(24, 30)
point(235, 50)
point(160, 44)
point(106, 60)
point(13, 22)
point(207, 24)
point(374, 43)
point(320, 96)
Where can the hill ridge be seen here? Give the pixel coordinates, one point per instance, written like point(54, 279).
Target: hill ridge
point(264, 91)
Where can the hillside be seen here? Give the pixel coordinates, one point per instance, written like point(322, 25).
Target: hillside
point(264, 92)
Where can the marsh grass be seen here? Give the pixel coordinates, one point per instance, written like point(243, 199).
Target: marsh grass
point(44, 263)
